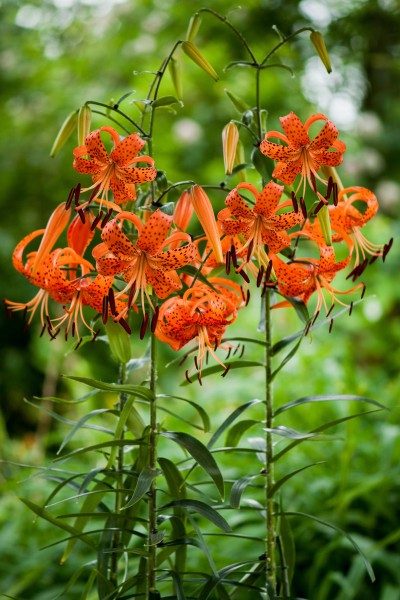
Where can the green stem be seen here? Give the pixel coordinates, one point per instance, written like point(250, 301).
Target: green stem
point(119, 496)
point(270, 541)
point(284, 41)
point(152, 504)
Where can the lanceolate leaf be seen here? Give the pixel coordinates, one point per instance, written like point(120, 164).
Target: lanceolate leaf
point(202, 413)
point(135, 390)
point(287, 358)
point(81, 423)
point(238, 488)
point(236, 431)
point(100, 446)
point(346, 535)
point(203, 509)
point(221, 576)
point(145, 478)
point(287, 432)
point(284, 479)
point(328, 398)
point(173, 478)
point(230, 419)
point(200, 453)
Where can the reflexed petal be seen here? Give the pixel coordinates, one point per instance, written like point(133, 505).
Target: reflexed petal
point(326, 137)
point(139, 174)
point(84, 165)
point(176, 258)
point(332, 159)
point(268, 200)
point(276, 240)
point(123, 192)
point(287, 172)
point(295, 131)
point(108, 265)
point(95, 147)
point(128, 148)
point(238, 206)
point(116, 241)
point(163, 283)
point(277, 151)
point(154, 233)
point(18, 254)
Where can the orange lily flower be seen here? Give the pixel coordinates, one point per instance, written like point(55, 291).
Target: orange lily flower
point(203, 314)
point(114, 170)
point(301, 155)
point(261, 225)
point(303, 277)
point(144, 262)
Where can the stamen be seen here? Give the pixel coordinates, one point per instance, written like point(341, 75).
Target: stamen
point(95, 335)
point(374, 258)
point(43, 329)
point(236, 349)
point(183, 360)
point(106, 218)
point(82, 216)
point(335, 194)
point(111, 300)
point(320, 204)
point(244, 275)
point(94, 193)
point(260, 275)
point(225, 373)
point(125, 325)
point(69, 199)
point(228, 262)
point(196, 364)
point(241, 352)
point(307, 329)
point(187, 376)
point(228, 353)
point(268, 272)
point(315, 317)
point(295, 203)
point(199, 378)
point(24, 314)
point(247, 297)
point(386, 249)
point(351, 308)
point(233, 256)
point(131, 294)
point(73, 330)
point(330, 326)
point(363, 292)
point(250, 251)
point(78, 344)
point(49, 323)
point(313, 182)
point(154, 319)
point(77, 193)
point(143, 327)
point(96, 220)
point(303, 207)
point(329, 188)
point(104, 312)
point(330, 310)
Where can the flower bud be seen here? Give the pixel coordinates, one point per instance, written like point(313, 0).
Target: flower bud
point(193, 53)
point(193, 27)
point(237, 102)
point(205, 214)
point(319, 44)
point(183, 210)
point(65, 132)
point(174, 67)
point(84, 121)
point(230, 138)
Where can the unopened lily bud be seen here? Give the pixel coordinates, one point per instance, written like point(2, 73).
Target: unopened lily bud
point(119, 341)
point(325, 224)
point(56, 224)
point(230, 138)
point(237, 102)
point(205, 214)
point(195, 55)
point(84, 122)
point(193, 27)
point(240, 160)
point(66, 130)
point(319, 44)
point(174, 67)
point(183, 210)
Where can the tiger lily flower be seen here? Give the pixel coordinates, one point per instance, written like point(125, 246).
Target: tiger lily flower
point(202, 313)
point(261, 225)
point(301, 278)
point(114, 170)
point(145, 262)
point(300, 155)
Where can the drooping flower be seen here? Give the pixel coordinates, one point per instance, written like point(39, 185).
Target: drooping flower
point(114, 170)
point(301, 155)
point(144, 262)
point(201, 314)
point(261, 225)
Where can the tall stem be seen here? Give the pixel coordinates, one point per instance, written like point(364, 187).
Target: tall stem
point(119, 496)
point(270, 538)
point(152, 504)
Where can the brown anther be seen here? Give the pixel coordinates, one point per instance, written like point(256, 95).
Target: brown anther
point(374, 258)
point(228, 353)
point(295, 203)
point(65, 335)
point(77, 193)
point(111, 301)
point(247, 298)
point(154, 319)
point(303, 207)
point(320, 204)
point(70, 198)
point(260, 275)
point(131, 294)
point(241, 352)
point(351, 308)
point(250, 251)
point(313, 182)
point(143, 327)
point(187, 376)
point(78, 344)
point(330, 326)
point(43, 329)
point(386, 249)
point(330, 310)
point(335, 194)
point(199, 378)
point(363, 292)
point(244, 275)
point(73, 330)
point(125, 325)
point(196, 364)
point(233, 256)
point(307, 329)
point(268, 272)
point(104, 312)
point(236, 349)
point(225, 373)
point(24, 314)
point(82, 216)
point(183, 360)
point(329, 188)
point(95, 335)
point(228, 262)
point(315, 317)
point(106, 218)
point(94, 193)
point(49, 323)
point(96, 220)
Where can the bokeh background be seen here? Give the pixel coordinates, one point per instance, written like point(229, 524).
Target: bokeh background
point(55, 55)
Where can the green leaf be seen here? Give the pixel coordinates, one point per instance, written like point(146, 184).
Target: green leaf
point(277, 485)
point(237, 364)
point(48, 516)
point(235, 433)
point(137, 363)
point(81, 423)
point(287, 432)
point(238, 488)
point(203, 509)
point(145, 478)
point(100, 446)
point(166, 101)
point(262, 163)
point(201, 455)
point(202, 413)
point(328, 398)
point(173, 478)
point(342, 532)
point(288, 545)
point(221, 576)
point(135, 390)
point(232, 417)
point(287, 358)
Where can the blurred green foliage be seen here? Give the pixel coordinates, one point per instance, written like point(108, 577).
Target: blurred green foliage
point(57, 54)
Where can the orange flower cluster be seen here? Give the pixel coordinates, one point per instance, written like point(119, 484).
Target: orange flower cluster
point(152, 265)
